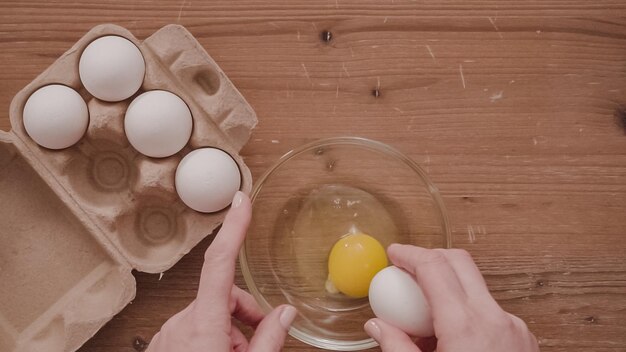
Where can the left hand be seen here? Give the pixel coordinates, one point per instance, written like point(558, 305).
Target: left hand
point(205, 325)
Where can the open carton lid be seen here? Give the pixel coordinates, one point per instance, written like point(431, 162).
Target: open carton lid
point(59, 282)
point(75, 222)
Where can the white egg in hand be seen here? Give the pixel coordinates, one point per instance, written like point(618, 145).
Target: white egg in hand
point(158, 123)
point(55, 116)
point(396, 298)
point(207, 180)
point(111, 68)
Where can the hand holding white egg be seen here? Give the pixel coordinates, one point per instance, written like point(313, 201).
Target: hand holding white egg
point(464, 313)
point(396, 298)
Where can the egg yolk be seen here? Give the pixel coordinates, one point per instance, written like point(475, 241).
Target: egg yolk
point(353, 262)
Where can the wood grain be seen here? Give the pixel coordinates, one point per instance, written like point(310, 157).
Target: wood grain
point(515, 109)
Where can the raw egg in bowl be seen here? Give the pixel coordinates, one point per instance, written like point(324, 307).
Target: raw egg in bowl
point(323, 217)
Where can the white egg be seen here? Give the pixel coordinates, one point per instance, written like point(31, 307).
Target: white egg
point(207, 180)
point(396, 298)
point(158, 123)
point(111, 68)
point(55, 116)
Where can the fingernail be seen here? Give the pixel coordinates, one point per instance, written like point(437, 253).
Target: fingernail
point(394, 245)
point(237, 199)
point(373, 329)
point(287, 316)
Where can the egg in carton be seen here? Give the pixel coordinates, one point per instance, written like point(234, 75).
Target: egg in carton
point(74, 222)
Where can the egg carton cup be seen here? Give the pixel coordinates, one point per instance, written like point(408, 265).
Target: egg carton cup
point(75, 222)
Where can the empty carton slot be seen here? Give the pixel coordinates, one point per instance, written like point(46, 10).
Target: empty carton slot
point(44, 249)
point(102, 173)
point(152, 233)
point(110, 171)
point(156, 224)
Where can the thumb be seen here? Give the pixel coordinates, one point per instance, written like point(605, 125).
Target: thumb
point(271, 333)
point(390, 338)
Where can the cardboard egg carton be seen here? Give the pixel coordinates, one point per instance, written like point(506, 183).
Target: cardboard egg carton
point(75, 222)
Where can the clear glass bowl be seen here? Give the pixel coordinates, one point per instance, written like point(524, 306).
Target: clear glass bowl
point(310, 198)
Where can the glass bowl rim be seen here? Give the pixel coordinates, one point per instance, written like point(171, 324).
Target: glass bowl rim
point(320, 143)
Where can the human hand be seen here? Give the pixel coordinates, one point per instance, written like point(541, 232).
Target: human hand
point(205, 325)
point(465, 315)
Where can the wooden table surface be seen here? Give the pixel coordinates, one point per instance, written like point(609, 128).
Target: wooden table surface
point(516, 109)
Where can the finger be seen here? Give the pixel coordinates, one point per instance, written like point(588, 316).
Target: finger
point(435, 276)
point(240, 342)
point(272, 331)
point(468, 273)
point(390, 338)
point(218, 271)
point(245, 308)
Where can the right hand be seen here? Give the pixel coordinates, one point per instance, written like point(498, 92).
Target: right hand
point(465, 315)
